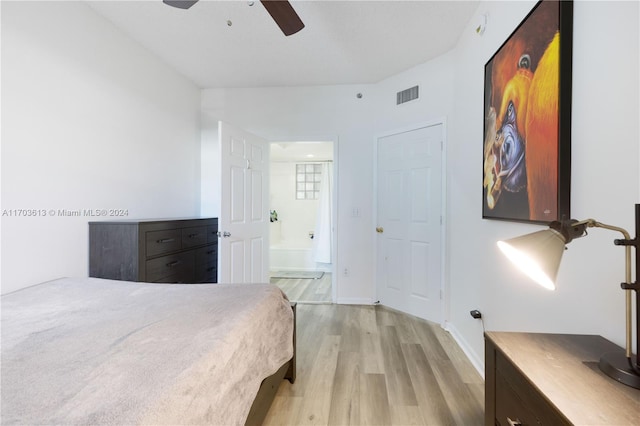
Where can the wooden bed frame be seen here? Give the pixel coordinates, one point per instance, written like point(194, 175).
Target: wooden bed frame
point(269, 386)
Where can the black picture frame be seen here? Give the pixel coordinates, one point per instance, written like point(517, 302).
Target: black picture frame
point(527, 119)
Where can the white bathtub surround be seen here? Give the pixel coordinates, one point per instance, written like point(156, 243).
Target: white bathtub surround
point(295, 255)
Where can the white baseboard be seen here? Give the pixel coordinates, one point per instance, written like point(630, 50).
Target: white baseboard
point(476, 361)
point(354, 301)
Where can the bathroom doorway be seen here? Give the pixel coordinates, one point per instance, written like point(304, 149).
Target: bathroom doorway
point(301, 203)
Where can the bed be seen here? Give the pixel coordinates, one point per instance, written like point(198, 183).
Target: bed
point(95, 351)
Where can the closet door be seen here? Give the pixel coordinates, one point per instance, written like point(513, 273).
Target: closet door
point(409, 227)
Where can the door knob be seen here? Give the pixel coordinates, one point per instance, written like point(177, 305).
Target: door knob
point(224, 234)
point(379, 229)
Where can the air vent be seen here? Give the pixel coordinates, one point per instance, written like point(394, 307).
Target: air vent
point(407, 95)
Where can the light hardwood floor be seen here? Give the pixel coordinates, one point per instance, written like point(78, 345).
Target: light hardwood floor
point(370, 365)
point(306, 290)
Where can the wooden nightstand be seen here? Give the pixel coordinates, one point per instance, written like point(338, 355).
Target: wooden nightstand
point(553, 379)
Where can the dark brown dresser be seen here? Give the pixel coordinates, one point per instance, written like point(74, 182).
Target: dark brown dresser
point(553, 379)
point(153, 250)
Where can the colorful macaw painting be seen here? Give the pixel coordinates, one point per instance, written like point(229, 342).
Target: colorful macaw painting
point(522, 133)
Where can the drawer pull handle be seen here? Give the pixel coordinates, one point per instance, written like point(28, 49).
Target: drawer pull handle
point(514, 422)
point(211, 251)
point(174, 263)
point(193, 235)
point(210, 269)
point(165, 240)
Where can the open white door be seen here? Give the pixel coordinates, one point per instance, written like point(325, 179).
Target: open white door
point(409, 203)
point(243, 224)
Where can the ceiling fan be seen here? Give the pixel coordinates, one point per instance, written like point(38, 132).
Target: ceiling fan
point(280, 10)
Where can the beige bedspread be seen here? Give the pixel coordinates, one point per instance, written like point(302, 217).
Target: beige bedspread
point(93, 351)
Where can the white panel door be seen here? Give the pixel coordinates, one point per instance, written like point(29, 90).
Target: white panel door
point(244, 215)
point(409, 198)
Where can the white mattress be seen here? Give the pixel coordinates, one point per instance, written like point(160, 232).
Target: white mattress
point(93, 351)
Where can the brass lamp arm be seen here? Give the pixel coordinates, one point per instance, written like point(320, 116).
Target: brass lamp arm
point(591, 223)
point(578, 227)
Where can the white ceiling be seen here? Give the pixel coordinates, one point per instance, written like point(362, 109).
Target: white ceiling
point(343, 42)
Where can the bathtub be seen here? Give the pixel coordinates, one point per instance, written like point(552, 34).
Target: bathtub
point(294, 256)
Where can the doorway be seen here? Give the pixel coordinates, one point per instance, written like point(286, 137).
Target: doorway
point(302, 215)
point(409, 221)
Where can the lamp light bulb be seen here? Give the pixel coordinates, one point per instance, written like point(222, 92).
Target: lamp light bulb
point(526, 264)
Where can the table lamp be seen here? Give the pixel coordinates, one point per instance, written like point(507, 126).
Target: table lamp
point(539, 254)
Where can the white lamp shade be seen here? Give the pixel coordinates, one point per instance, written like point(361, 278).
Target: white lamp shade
point(538, 255)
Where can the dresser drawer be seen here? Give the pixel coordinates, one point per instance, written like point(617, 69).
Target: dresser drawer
point(177, 279)
point(180, 265)
point(160, 242)
point(512, 389)
point(171, 279)
point(193, 237)
point(206, 273)
point(207, 255)
point(207, 264)
point(510, 409)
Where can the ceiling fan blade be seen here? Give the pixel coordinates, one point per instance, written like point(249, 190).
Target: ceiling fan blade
point(285, 16)
point(180, 4)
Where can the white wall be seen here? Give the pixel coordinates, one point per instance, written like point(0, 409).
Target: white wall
point(210, 167)
point(605, 176)
point(90, 120)
point(605, 183)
